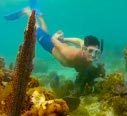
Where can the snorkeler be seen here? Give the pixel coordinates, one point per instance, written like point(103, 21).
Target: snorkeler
point(79, 56)
point(88, 51)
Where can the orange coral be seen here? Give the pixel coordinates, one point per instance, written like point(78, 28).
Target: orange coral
point(42, 103)
point(57, 108)
point(35, 97)
point(23, 70)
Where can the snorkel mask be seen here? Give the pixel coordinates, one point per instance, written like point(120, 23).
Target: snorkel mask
point(94, 51)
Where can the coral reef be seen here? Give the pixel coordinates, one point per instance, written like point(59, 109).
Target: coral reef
point(2, 62)
point(4, 97)
point(72, 102)
point(5, 74)
point(125, 57)
point(69, 85)
point(119, 104)
point(49, 95)
point(84, 82)
point(56, 107)
point(34, 82)
point(114, 93)
point(1, 76)
point(42, 103)
point(89, 106)
point(110, 100)
point(24, 66)
point(24, 95)
point(109, 97)
point(112, 81)
point(58, 83)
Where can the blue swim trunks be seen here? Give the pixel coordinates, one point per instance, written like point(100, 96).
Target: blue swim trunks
point(44, 39)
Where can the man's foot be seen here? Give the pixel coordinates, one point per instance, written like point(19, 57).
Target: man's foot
point(28, 11)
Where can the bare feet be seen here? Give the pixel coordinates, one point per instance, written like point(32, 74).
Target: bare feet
point(27, 11)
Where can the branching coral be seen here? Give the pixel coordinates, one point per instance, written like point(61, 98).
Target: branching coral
point(23, 70)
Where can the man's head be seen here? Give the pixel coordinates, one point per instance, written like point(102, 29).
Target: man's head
point(91, 41)
point(92, 47)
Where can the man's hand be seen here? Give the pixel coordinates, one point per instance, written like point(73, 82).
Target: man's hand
point(59, 35)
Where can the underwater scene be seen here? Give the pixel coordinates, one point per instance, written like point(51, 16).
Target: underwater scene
point(63, 58)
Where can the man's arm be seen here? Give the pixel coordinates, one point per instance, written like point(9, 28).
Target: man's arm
point(76, 41)
point(56, 39)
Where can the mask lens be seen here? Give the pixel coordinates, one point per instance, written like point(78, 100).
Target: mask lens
point(94, 53)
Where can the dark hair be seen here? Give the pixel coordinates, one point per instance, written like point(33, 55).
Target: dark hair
point(91, 40)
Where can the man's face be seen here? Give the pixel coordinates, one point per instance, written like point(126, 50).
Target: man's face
point(92, 52)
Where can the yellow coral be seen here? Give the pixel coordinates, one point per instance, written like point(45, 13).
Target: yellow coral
point(39, 100)
point(44, 104)
point(34, 82)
